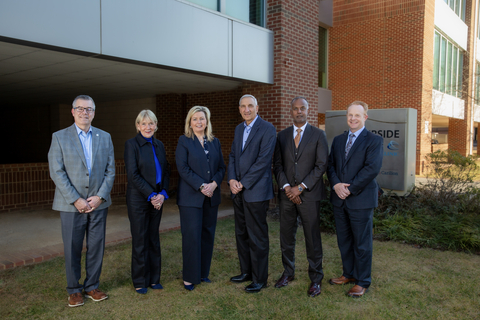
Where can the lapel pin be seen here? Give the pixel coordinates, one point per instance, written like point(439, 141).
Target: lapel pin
point(97, 134)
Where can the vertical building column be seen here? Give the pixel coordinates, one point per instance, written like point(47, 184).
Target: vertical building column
point(295, 27)
point(460, 135)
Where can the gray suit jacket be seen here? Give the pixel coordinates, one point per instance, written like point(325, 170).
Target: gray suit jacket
point(309, 165)
point(253, 166)
point(69, 171)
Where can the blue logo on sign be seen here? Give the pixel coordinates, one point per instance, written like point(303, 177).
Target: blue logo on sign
point(393, 145)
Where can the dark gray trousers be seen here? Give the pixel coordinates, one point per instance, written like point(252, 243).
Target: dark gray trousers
point(75, 227)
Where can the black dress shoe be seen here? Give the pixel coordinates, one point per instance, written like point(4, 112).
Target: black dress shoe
point(255, 287)
point(315, 289)
point(241, 278)
point(283, 281)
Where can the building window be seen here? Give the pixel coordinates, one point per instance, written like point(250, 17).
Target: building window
point(477, 83)
point(447, 67)
point(252, 11)
point(322, 57)
point(458, 6)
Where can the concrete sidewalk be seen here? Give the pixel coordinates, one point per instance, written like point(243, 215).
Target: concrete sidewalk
point(28, 237)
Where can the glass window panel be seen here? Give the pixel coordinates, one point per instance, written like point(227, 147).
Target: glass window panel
point(460, 74)
point(257, 12)
point(322, 57)
point(458, 4)
point(210, 4)
point(436, 61)
point(443, 51)
point(454, 70)
point(448, 84)
point(452, 4)
point(239, 9)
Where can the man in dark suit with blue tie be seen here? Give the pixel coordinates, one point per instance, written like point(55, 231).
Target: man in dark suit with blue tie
point(354, 162)
point(250, 180)
point(299, 163)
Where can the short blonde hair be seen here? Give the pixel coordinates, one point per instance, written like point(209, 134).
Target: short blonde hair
point(208, 130)
point(146, 114)
point(359, 103)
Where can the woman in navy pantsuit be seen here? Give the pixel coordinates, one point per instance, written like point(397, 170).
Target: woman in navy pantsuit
point(148, 175)
point(201, 168)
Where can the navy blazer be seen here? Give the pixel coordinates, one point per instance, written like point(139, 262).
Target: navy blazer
point(308, 167)
point(253, 166)
point(194, 170)
point(140, 166)
point(359, 169)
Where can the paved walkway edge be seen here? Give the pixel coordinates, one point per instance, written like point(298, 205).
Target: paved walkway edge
point(23, 258)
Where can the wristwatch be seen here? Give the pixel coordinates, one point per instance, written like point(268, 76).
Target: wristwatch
point(103, 200)
point(300, 188)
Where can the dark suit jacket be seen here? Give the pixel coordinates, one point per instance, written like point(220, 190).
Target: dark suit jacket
point(309, 166)
point(194, 169)
point(140, 166)
point(69, 172)
point(253, 166)
point(362, 165)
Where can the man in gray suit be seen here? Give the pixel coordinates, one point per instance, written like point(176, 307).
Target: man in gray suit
point(299, 163)
point(82, 166)
point(250, 180)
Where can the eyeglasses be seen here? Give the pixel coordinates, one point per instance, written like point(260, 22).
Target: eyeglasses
point(82, 109)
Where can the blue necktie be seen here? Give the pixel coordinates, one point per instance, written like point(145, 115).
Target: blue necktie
point(349, 144)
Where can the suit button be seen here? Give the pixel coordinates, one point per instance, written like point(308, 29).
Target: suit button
point(208, 171)
point(87, 174)
point(86, 187)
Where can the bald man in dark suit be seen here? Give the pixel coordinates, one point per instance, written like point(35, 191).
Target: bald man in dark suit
point(300, 161)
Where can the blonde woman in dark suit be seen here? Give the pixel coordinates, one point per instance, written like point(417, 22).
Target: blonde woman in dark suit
point(201, 169)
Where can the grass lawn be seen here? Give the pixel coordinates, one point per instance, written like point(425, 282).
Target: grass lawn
point(408, 283)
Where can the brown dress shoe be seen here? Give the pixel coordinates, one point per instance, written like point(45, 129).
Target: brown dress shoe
point(341, 280)
point(356, 291)
point(75, 300)
point(96, 295)
point(283, 281)
point(315, 289)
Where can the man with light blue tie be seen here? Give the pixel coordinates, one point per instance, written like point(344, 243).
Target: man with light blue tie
point(250, 180)
point(82, 166)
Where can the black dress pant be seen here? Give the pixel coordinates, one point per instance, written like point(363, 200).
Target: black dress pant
point(146, 254)
point(309, 213)
point(355, 241)
point(251, 233)
point(198, 234)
